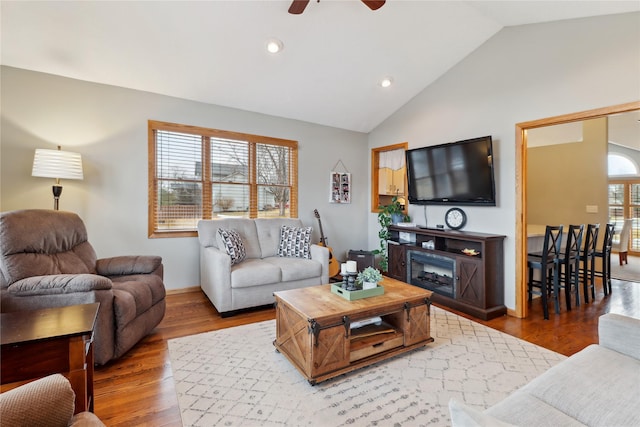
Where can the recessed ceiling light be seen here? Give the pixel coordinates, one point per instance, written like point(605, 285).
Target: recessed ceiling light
point(386, 82)
point(274, 45)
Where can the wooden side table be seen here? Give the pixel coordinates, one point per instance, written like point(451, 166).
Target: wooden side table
point(42, 342)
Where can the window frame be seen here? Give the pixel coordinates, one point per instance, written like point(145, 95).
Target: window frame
point(376, 200)
point(206, 182)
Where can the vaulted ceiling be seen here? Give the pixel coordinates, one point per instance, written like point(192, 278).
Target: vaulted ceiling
point(334, 55)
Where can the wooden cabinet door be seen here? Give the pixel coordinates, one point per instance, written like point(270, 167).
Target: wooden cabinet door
point(416, 324)
point(397, 262)
point(330, 349)
point(470, 287)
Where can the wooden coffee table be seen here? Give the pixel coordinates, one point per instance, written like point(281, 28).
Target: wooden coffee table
point(313, 327)
point(42, 342)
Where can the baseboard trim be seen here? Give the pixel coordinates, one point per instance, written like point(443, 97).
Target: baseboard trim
point(183, 290)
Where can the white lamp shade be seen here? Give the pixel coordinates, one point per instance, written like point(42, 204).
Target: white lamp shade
point(57, 164)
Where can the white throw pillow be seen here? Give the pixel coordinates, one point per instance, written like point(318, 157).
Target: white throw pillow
point(231, 241)
point(464, 416)
point(295, 242)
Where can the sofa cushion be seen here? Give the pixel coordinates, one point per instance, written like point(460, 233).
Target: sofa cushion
point(296, 268)
point(295, 242)
point(208, 231)
point(254, 272)
point(231, 241)
point(268, 230)
point(525, 410)
point(36, 242)
point(596, 386)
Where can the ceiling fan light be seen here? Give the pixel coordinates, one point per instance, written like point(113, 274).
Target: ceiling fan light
point(274, 45)
point(386, 82)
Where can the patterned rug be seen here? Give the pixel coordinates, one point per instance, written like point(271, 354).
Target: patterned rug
point(234, 377)
point(629, 272)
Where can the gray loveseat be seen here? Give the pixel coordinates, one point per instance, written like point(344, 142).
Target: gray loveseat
point(598, 386)
point(252, 282)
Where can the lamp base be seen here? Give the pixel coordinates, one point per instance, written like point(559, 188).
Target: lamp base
point(57, 191)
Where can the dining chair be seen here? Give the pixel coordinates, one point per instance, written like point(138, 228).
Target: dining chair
point(546, 262)
point(568, 264)
point(605, 255)
point(588, 260)
point(622, 245)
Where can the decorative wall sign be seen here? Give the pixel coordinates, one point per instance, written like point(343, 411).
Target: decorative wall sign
point(340, 185)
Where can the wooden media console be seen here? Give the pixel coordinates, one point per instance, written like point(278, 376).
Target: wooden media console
point(464, 269)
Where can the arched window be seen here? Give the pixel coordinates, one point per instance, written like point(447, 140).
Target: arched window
point(621, 165)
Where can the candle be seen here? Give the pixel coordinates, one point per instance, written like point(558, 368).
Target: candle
point(343, 269)
point(352, 267)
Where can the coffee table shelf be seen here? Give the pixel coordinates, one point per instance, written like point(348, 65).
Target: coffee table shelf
point(313, 328)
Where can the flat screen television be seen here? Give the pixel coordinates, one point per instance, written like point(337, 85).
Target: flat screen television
point(457, 173)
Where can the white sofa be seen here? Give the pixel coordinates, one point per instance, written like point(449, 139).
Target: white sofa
point(598, 386)
point(252, 282)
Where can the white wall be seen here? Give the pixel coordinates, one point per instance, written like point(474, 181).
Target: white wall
point(108, 126)
point(522, 73)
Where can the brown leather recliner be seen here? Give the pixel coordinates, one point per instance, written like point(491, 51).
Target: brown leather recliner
point(46, 261)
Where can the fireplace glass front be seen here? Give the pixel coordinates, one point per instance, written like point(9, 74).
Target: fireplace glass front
point(432, 271)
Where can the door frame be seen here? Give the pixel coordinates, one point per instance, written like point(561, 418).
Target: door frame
point(521, 309)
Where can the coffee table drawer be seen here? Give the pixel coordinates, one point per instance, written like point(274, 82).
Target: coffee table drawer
point(369, 346)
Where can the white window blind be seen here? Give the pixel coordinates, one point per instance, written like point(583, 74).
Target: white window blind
point(198, 173)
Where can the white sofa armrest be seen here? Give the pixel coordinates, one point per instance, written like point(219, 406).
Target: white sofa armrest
point(321, 254)
point(620, 333)
point(215, 277)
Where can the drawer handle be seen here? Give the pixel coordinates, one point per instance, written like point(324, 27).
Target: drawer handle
point(378, 345)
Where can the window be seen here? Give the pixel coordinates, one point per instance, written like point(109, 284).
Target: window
point(621, 165)
point(624, 202)
point(198, 173)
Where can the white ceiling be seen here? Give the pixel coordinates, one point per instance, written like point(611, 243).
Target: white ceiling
point(334, 54)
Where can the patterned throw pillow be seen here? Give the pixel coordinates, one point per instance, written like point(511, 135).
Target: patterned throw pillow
point(295, 242)
point(232, 243)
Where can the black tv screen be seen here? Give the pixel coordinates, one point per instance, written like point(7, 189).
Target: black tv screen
point(457, 173)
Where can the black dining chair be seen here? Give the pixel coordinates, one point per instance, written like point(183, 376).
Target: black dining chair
point(604, 253)
point(546, 262)
point(588, 260)
point(569, 264)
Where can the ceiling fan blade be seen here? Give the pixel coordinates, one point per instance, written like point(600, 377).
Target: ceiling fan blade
point(298, 6)
point(374, 4)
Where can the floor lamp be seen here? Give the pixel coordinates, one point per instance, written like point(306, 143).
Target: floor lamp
point(59, 165)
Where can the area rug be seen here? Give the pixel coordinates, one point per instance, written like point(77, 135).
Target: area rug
point(234, 377)
point(629, 272)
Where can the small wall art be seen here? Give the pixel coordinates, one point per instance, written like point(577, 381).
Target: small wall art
point(340, 187)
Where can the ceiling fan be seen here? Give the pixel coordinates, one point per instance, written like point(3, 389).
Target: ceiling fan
point(298, 6)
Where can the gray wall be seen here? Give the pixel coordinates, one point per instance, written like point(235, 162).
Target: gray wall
point(523, 73)
point(108, 126)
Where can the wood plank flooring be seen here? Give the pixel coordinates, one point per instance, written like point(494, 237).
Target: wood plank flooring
point(138, 389)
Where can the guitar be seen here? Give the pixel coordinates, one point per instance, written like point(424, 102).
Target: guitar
point(334, 265)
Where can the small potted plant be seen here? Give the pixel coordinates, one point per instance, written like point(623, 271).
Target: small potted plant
point(369, 277)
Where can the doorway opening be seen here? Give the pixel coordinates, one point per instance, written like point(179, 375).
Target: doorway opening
point(521, 309)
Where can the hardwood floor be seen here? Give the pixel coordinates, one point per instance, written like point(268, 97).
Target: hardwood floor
point(138, 389)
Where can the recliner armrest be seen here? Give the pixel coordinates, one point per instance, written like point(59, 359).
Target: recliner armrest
point(620, 333)
point(47, 401)
point(127, 265)
point(59, 284)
